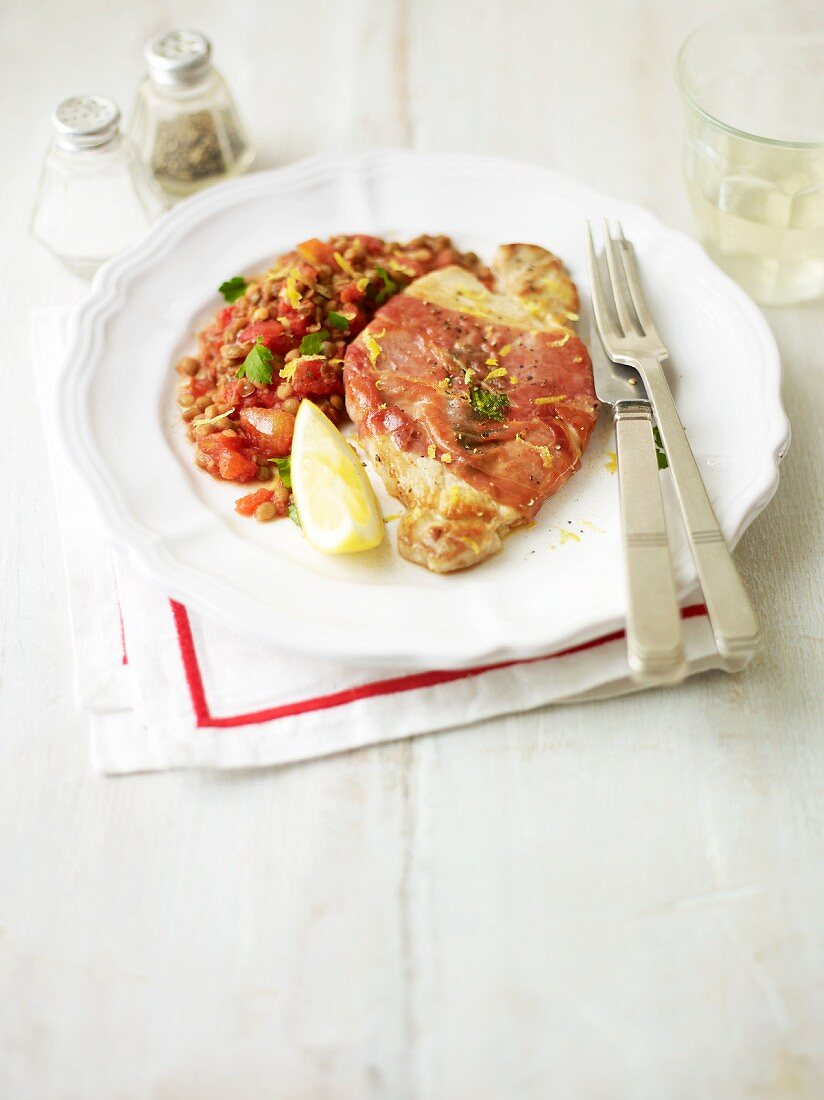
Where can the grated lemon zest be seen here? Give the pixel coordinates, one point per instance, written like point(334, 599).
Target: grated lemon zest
point(447, 457)
point(288, 369)
point(505, 350)
point(550, 400)
point(467, 375)
point(499, 372)
point(430, 450)
point(513, 379)
point(373, 348)
point(361, 284)
point(404, 270)
point(546, 454)
point(560, 343)
point(196, 423)
point(473, 295)
point(443, 385)
point(293, 295)
point(344, 265)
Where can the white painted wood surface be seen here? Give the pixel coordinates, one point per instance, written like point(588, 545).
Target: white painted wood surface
point(619, 900)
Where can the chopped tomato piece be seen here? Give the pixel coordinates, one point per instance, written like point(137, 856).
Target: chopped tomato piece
point(269, 430)
point(200, 386)
point(278, 495)
point(314, 378)
point(356, 323)
point(227, 457)
point(350, 293)
point(225, 316)
point(271, 333)
point(317, 252)
point(373, 245)
point(294, 322)
point(246, 505)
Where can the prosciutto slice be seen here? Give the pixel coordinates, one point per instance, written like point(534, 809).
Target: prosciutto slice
point(475, 406)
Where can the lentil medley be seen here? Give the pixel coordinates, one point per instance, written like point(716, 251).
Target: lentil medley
point(281, 339)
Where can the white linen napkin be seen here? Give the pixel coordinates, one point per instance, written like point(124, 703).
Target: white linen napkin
point(165, 687)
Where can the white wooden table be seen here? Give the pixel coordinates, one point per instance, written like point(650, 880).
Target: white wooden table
point(618, 900)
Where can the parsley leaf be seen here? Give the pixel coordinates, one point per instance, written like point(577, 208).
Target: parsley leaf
point(389, 287)
point(660, 453)
point(337, 320)
point(233, 288)
point(310, 344)
point(257, 366)
point(488, 404)
point(293, 514)
point(284, 469)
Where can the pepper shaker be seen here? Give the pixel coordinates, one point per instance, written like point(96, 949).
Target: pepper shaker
point(95, 196)
point(185, 122)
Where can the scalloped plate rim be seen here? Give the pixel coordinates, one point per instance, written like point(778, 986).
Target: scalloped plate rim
point(153, 554)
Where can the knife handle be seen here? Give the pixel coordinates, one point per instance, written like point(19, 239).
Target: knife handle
point(730, 612)
point(655, 643)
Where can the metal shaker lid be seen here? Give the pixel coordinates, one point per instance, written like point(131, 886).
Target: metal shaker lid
point(179, 57)
point(85, 121)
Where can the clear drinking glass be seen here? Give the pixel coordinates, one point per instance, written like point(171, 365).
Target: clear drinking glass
point(753, 90)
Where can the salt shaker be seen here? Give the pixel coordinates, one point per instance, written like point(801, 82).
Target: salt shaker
point(185, 122)
point(95, 196)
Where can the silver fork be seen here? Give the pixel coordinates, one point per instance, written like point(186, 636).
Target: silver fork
point(629, 336)
point(655, 643)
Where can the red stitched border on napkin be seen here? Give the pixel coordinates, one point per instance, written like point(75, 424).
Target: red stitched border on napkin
point(413, 681)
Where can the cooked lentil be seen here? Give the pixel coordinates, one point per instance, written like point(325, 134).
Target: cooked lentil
point(326, 291)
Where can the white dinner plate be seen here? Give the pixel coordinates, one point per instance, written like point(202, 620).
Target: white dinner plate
point(555, 584)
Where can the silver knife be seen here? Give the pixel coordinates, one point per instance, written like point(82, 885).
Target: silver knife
point(655, 643)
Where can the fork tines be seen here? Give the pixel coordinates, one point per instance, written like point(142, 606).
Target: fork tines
point(624, 321)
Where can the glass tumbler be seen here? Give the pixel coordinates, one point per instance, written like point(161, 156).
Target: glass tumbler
point(753, 90)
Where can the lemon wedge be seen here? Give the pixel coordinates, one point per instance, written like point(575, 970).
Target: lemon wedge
point(336, 503)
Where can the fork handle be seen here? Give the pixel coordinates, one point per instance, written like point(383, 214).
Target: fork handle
point(655, 645)
point(731, 614)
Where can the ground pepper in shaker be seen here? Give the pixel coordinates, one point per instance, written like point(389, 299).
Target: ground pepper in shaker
point(185, 122)
point(95, 195)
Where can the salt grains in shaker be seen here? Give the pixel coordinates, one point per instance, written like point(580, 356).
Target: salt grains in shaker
point(185, 123)
point(95, 196)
